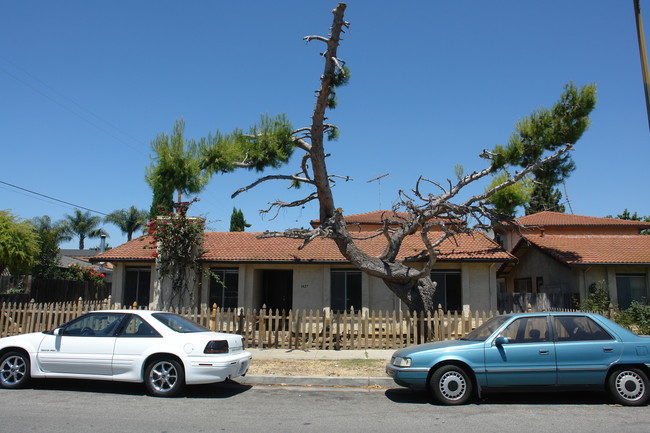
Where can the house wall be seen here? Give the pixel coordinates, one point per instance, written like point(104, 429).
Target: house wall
point(311, 285)
point(555, 276)
point(479, 286)
point(576, 279)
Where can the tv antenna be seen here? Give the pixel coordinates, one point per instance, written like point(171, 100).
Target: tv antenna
point(378, 179)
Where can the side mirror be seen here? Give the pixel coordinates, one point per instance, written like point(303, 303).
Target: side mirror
point(500, 341)
point(58, 331)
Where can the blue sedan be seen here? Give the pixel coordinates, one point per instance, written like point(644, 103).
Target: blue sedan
point(535, 351)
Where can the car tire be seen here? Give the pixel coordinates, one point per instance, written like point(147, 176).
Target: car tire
point(164, 377)
point(451, 385)
point(629, 386)
point(14, 370)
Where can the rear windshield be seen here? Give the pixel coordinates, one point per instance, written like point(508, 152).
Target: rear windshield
point(178, 323)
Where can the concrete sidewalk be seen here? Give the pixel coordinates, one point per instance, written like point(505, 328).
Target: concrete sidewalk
point(336, 381)
point(321, 354)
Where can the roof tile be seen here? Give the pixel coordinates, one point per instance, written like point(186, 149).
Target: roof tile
point(247, 247)
point(606, 249)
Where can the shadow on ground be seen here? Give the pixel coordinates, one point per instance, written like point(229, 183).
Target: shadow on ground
point(406, 396)
point(217, 390)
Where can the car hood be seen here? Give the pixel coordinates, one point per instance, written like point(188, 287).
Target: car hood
point(438, 345)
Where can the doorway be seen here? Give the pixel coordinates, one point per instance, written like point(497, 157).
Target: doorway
point(277, 289)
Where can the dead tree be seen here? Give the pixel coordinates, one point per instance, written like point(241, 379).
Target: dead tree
point(433, 217)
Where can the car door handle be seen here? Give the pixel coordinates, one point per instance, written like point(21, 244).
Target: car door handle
point(608, 349)
point(543, 352)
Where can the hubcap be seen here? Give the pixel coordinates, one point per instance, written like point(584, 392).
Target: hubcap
point(629, 385)
point(452, 385)
point(163, 376)
point(13, 370)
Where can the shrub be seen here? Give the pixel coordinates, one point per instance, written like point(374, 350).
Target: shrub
point(636, 318)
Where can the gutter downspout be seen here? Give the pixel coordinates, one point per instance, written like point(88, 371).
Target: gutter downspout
point(585, 288)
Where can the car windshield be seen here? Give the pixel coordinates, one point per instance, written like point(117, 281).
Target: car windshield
point(486, 329)
point(178, 323)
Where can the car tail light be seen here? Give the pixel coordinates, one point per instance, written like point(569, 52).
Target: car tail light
point(216, 346)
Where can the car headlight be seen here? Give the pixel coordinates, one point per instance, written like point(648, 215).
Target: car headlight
point(398, 361)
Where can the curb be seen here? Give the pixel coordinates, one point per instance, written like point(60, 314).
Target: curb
point(325, 381)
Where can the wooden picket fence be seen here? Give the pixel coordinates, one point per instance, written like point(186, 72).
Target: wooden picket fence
point(264, 328)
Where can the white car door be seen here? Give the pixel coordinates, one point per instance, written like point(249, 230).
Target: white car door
point(83, 346)
point(135, 339)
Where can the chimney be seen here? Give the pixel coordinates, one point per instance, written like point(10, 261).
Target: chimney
point(102, 243)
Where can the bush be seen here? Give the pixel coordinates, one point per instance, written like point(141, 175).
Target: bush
point(598, 300)
point(636, 318)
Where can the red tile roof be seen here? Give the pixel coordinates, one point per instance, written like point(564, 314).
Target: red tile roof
point(246, 247)
point(607, 249)
point(557, 219)
point(376, 218)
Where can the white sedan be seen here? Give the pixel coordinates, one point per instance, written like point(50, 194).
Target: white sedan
point(163, 350)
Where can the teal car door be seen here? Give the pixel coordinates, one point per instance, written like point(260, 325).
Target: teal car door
point(584, 350)
point(522, 355)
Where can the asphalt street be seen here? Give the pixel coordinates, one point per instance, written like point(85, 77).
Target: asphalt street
point(82, 406)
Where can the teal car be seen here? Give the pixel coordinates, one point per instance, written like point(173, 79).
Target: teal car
point(531, 351)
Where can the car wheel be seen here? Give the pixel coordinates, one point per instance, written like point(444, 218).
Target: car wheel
point(14, 370)
point(629, 386)
point(451, 385)
point(164, 377)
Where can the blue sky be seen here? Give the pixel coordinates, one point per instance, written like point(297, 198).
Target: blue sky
point(85, 86)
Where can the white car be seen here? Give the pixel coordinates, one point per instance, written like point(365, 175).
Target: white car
point(163, 350)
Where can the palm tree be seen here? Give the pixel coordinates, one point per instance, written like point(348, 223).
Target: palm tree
point(55, 232)
point(128, 220)
point(84, 225)
point(50, 235)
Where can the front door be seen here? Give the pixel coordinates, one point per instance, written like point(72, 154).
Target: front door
point(83, 346)
point(137, 283)
point(526, 359)
point(277, 289)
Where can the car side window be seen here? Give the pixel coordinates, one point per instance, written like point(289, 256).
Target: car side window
point(578, 328)
point(137, 327)
point(94, 325)
point(527, 330)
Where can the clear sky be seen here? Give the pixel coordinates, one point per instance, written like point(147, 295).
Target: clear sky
point(85, 86)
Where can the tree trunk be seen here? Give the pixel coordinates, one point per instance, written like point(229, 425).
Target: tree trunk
point(417, 295)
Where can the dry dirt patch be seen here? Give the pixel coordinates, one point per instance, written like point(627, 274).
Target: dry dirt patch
point(310, 367)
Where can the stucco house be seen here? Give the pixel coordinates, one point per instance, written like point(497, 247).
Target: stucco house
point(275, 273)
point(567, 254)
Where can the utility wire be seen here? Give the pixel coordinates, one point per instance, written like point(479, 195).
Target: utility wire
point(52, 198)
point(101, 128)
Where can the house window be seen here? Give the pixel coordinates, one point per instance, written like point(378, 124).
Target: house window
point(136, 286)
point(630, 287)
point(523, 285)
point(448, 290)
point(345, 289)
point(224, 288)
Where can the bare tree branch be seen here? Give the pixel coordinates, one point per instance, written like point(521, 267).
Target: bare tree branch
point(315, 37)
point(267, 178)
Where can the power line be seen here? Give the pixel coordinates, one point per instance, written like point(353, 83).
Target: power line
point(101, 128)
point(52, 198)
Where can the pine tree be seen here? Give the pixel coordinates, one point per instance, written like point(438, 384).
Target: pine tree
point(237, 221)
